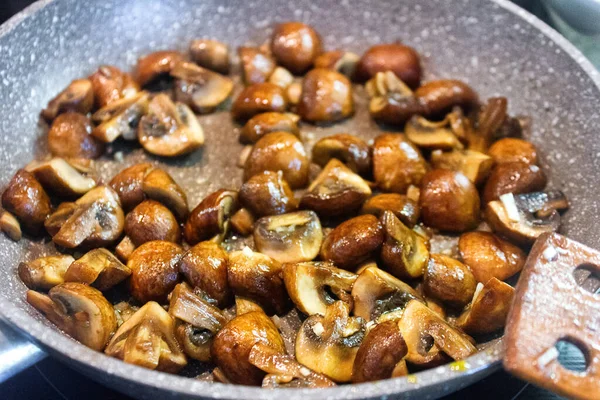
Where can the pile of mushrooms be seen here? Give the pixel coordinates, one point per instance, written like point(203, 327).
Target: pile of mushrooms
point(342, 279)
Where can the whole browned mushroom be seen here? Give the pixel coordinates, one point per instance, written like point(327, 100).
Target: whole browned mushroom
point(27, 200)
point(268, 122)
point(70, 136)
point(402, 60)
point(154, 270)
point(326, 96)
point(210, 218)
point(295, 46)
point(232, 346)
point(99, 268)
point(267, 193)
point(147, 339)
point(404, 253)
point(79, 310)
point(60, 178)
point(94, 220)
point(128, 184)
point(349, 149)
point(449, 280)
point(404, 208)
point(513, 150)
point(121, 118)
point(397, 163)
point(210, 54)
point(77, 97)
point(201, 89)
point(279, 151)
point(156, 65)
point(489, 256)
point(259, 98)
point(150, 220)
point(204, 267)
point(158, 185)
point(257, 65)
point(169, 129)
point(449, 201)
point(45, 272)
point(513, 177)
point(474, 165)
point(353, 241)
point(487, 123)
point(439, 97)
point(258, 277)
point(110, 84)
point(336, 191)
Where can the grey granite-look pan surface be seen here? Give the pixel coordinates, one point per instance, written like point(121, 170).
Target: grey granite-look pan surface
point(494, 46)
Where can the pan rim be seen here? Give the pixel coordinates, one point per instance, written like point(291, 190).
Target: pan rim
point(482, 363)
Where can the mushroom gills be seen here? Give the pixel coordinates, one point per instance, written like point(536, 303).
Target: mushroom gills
point(120, 118)
point(59, 177)
point(45, 272)
point(99, 268)
point(201, 89)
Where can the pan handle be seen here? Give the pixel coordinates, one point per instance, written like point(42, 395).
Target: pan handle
point(16, 352)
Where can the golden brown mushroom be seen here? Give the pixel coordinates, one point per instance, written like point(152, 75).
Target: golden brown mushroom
point(326, 96)
point(26, 199)
point(128, 184)
point(281, 77)
point(79, 310)
point(513, 177)
point(169, 129)
point(404, 208)
point(349, 149)
point(474, 165)
point(210, 218)
point(121, 118)
point(295, 46)
point(257, 65)
point(10, 225)
point(110, 84)
point(70, 136)
point(59, 177)
point(439, 97)
point(158, 185)
point(242, 222)
point(336, 191)
point(449, 280)
point(432, 134)
point(99, 268)
point(268, 122)
point(156, 65)
point(267, 193)
point(259, 98)
point(147, 339)
point(78, 97)
point(513, 150)
point(279, 151)
point(402, 60)
point(45, 272)
point(150, 220)
point(201, 89)
point(154, 271)
point(210, 54)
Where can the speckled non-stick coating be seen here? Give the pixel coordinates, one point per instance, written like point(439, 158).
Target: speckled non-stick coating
point(494, 46)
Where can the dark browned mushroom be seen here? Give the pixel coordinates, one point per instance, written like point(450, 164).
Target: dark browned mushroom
point(70, 136)
point(158, 185)
point(405, 209)
point(150, 220)
point(201, 89)
point(60, 178)
point(513, 150)
point(99, 268)
point(45, 272)
point(110, 84)
point(268, 193)
point(513, 177)
point(439, 97)
point(326, 96)
point(295, 46)
point(77, 97)
point(242, 222)
point(259, 98)
point(268, 122)
point(210, 54)
point(349, 149)
point(128, 184)
point(474, 165)
point(257, 65)
point(400, 59)
point(449, 280)
point(210, 218)
point(26, 199)
point(156, 65)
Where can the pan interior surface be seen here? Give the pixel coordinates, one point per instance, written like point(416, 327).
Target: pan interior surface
point(485, 43)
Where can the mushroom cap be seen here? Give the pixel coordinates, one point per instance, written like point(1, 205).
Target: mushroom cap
point(442, 95)
point(513, 177)
point(404, 208)
point(128, 184)
point(210, 54)
point(99, 268)
point(326, 96)
point(45, 272)
point(210, 218)
point(402, 60)
point(110, 84)
point(267, 193)
point(155, 65)
point(70, 136)
point(77, 97)
point(268, 122)
point(26, 199)
point(149, 221)
point(295, 45)
point(259, 98)
point(257, 65)
point(158, 185)
point(449, 280)
point(512, 150)
point(349, 149)
point(474, 165)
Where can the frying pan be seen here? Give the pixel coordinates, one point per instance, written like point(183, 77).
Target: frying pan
point(495, 46)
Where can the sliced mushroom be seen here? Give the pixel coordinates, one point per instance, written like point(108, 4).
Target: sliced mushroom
point(336, 191)
point(232, 346)
point(150, 220)
point(349, 149)
point(210, 218)
point(281, 77)
point(488, 310)
point(156, 65)
point(70, 136)
point(261, 124)
point(377, 293)
point(77, 97)
point(489, 119)
point(397, 163)
point(402, 60)
point(353, 241)
point(210, 54)
point(328, 344)
point(395, 108)
point(279, 151)
point(158, 185)
point(295, 46)
point(432, 135)
point(386, 83)
point(26, 199)
point(449, 201)
point(439, 97)
point(523, 218)
point(148, 339)
point(124, 311)
point(404, 252)
point(259, 98)
point(326, 96)
point(99, 268)
point(59, 177)
point(121, 118)
point(474, 165)
point(313, 286)
point(268, 193)
point(257, 65)
point(258, 277)
point(94, 220)
point(449, 280)
point(128, 184)
point(196, 322)
point(488, 256)
point(283, 370)
point(204, 267)
point(404, 208)
point(124, 249)
point(244, 305)
point(79, 310)
point(379, 354)
point(422, 328)
point(201, 89)
point(341, 61)
point(514, 177)
point(169, 129)
point(45, 272)
point(58, 218)
point(154, 271)
point(10, 226)
point(242, 222)
point(110, 84)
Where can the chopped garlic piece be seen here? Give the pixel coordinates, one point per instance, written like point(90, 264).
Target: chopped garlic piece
point(550, 355)
point(247, 251)
point(550, 253)
point(318, 329)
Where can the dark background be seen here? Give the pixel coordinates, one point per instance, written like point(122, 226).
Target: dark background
point(51, 380)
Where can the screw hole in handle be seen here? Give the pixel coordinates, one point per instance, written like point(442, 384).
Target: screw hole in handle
point(587, 277)
point(572, 355)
